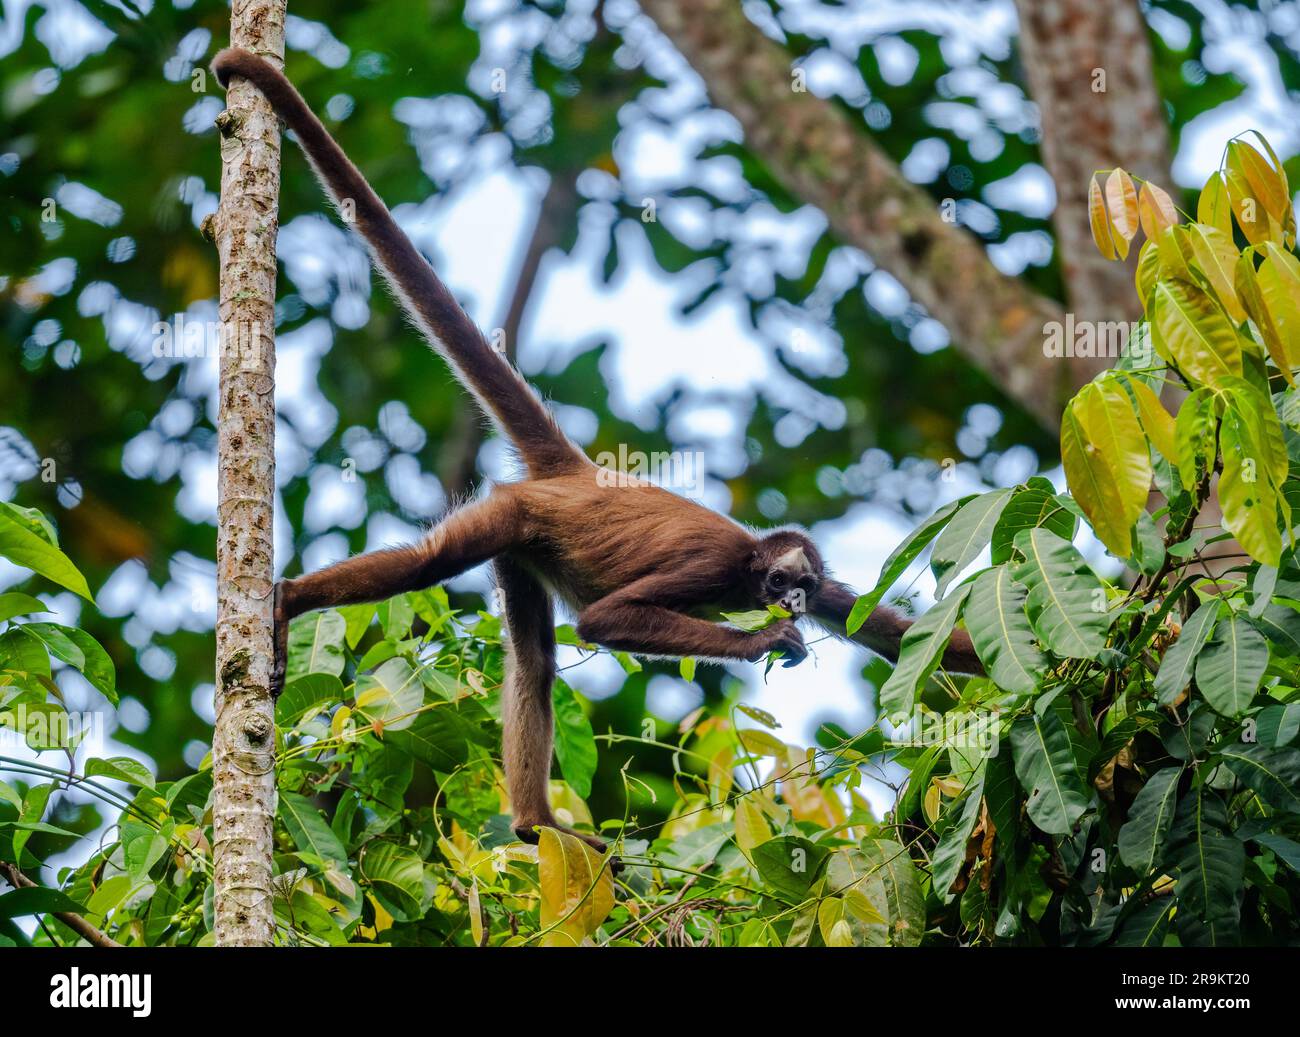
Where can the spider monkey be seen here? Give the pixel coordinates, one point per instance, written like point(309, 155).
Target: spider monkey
point(644, 570)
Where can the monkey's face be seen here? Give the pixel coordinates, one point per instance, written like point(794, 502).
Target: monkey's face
point(787, 573)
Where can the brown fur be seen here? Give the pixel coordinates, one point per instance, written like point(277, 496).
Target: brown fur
point(643, 569)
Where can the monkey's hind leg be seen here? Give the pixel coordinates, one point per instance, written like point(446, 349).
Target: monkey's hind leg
point(467, 537)
point(526, 716)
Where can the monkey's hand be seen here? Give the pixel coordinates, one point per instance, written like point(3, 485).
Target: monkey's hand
point(782, 636)
point(280, 657)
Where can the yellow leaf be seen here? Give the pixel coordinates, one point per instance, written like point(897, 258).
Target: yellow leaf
point(1122, 205)
point(1265, 182)
point(1194, 436)
point(577, 888)
point(1101, 231)
point(829, 911)
point(1110, 424)
point(1248, 499)
point(751, 828)
point(1213, 208)
point(1251, 211)
point(861, 907)
point(1278, 279)
point(932, 803)
point(1155, 210)
point(720, 773)
point(475, 915)
point(1191, 330)
point(841, 935)
point(1213, 254)
point(1148, 272)
point(1093, 484)
point(760, 743)
point(1157, 422)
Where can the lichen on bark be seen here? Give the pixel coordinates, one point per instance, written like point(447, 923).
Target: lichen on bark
point(245, 228)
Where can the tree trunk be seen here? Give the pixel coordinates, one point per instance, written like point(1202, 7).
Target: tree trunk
point(828, 160)
point(1088, 66)
point(243, 748)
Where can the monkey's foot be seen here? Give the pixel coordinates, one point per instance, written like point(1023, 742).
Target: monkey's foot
point(527, 831)
point(280, 639)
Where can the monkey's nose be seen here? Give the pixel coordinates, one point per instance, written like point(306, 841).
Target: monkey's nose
point(786, 604)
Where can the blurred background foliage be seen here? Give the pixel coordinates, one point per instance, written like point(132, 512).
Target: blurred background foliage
point(109, 164)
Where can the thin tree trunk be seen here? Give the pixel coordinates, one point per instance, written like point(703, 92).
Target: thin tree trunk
point(243, 757)
point(822, 156)
point(1088, 66)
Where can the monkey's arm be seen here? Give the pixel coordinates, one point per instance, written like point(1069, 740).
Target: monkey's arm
point(884, 629)
point(643, 618)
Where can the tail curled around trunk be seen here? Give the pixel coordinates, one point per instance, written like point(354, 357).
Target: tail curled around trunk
point(503, 394)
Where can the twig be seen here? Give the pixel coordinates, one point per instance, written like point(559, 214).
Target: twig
point(94, 937)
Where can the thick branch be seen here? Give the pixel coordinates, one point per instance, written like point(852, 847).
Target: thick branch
point(243, 760)
point(827, 159)
point(1088, 66)
point(93, 936)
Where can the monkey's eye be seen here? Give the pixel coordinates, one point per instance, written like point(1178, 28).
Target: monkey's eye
point(777, 579)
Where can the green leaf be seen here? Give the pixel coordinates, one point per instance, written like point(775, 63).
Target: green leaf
point(23, 547)
point(1273, 773)
point(920, 652)
point(316, 644)
point(392, 695)
point(1210, 862)
point(24, 653)
point(57, 641)
point(1195, 436)
point(950, 853)
point(143, 846)
point(304, 694)
point(1246, 493)
point(357, 619)
point(1281, 625)
point(37, 900)
point(1142, 837)
point(395, 616)
point(307, 827)
point(755, 619)
point(1230, 667)
point(1000, 630)
point(1035, 505)
point(896, 564)
point(965, 536)
point(789, 865)
point(575, 743)
point(1177, 666)
point(97, 667)
point(903, 894)
point(17, 604)
point(439, 737)
point(395, 875)
point(1191, 330)
point(1278, 724)
point(1145, 927)
point(120, 768)
point(1045, 766)
point(1067, 604)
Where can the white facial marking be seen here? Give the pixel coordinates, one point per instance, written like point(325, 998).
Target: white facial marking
point(794, 559)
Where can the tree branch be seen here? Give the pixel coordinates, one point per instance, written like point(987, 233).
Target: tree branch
point(822, 156)
point(93, 936)
point(1088, 66)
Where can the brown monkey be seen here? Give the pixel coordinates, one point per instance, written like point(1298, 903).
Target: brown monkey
point(643, 569)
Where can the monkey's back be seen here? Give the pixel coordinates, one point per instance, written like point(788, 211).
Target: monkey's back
point(593, 532)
